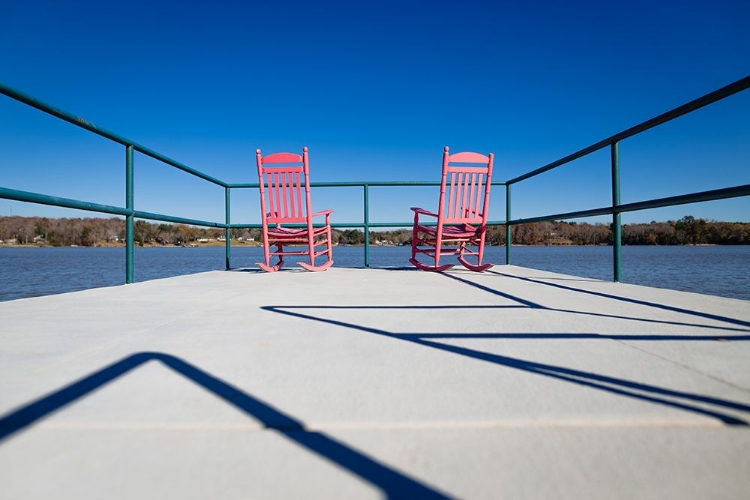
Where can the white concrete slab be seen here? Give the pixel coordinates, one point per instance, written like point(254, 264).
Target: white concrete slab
point(358, 383)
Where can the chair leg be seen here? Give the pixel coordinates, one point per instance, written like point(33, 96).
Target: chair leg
point(329, 243)
point(438, 249)
point(329, 251)
point(425, 267)
point(321, 267)
point(478, 268)
point(414, 236)
point(436, 258)
point(267, 267)
point(310, 249)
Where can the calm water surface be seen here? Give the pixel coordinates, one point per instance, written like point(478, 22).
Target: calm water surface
point(713, 270)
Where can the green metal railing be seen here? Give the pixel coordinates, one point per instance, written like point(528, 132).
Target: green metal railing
point(366, 225)
point(128, 210)
point(615, 209)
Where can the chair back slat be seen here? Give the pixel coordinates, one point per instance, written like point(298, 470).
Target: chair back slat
point(285, 197)
point(465, 203)
point(473, 197)
point(451, 195)
point(300, 210)
point(455, 188)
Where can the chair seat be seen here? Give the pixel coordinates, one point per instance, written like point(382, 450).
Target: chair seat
point(291, 233)
point(462, 231)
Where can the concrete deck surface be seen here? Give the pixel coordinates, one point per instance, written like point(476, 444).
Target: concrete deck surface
point(358, 383)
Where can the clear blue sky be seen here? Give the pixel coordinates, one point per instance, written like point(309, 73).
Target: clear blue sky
point(375, 90)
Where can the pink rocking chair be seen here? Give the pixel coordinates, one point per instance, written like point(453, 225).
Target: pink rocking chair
point(283, 177)
point(461, 216)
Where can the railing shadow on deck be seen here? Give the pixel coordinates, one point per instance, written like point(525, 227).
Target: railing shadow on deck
point(745, 325)
point(391, 482)
point(656, 305)
point(619, 386)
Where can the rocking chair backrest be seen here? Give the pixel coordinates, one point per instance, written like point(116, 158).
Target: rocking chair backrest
point(284, 187)
point(465, 188)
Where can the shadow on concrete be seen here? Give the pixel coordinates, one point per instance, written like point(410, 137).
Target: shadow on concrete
point(622, 387)
point(633, 336)
point(656, 305)
point(391, 482)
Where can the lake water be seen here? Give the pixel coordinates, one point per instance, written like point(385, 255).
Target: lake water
point(713, 270)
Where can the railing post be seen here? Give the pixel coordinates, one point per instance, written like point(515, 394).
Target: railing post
point(228, 231)
point(129, 219)
point(508, 235)
point(616, 226)
point(367, 224)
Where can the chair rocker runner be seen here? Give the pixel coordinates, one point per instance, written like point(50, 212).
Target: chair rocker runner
point(461, 217)
point(286, 212)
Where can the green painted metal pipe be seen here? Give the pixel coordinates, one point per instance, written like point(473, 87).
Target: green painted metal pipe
point(129, 219)
point(401, 224)
point(717, 95)
point(354, 225)
point(254, 185)
point(712, 195)
point(508, 232)
point(177, 220)
point(43, 199)
point(85, 124)
point(197, 173)
point(564, 216)
point(616, 222)
point(367, 225)
point(14, 194)
point(63, 115)
point(228, 231)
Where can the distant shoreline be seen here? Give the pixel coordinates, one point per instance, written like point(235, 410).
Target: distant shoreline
point(97, 232)
point(217, 244)
point(258, 245)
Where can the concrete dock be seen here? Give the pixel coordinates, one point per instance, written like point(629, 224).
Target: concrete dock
point(375, 383)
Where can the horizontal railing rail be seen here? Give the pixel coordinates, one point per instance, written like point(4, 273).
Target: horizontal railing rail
point(85, 124)
point(694, 105)
point(712, 195)
point(615, 209)
point(366, 225)
point(41, 199)
point(128, 211)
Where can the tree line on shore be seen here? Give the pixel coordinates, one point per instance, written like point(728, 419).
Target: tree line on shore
point(111, 232)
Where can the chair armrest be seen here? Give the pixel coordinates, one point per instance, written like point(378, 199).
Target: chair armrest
point(322, 212)
point(423, 211)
